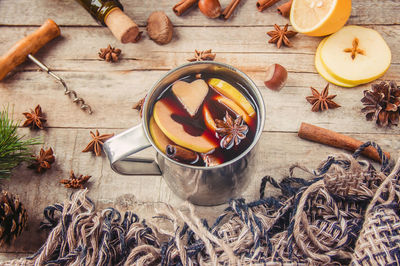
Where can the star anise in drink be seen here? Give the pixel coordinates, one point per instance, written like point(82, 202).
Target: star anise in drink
point(321, 101)
point(281, 36)
point(231, 131)
point(206, 55)
point(97, 142)
point(35, 119)
point(43, 161)
point(75, 181)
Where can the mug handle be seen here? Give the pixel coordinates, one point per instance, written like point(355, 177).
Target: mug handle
point(120, 147)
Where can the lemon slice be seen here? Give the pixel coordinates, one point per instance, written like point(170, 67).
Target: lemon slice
point(232, 93)
point(319, 17)
point(323, 72)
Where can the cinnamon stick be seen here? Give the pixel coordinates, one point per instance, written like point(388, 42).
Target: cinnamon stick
point(334, 139)
point(284, 9)
point(263, 4)
point(226, 14)
point(182, 6)
point(181, 154)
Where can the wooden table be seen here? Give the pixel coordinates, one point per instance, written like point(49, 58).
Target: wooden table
point(112, 89)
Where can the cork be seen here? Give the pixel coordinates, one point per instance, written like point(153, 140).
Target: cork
point(122, 26)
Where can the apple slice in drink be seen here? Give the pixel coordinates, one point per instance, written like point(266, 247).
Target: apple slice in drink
point(158, 136)
point(176, 132)
point(232, 93)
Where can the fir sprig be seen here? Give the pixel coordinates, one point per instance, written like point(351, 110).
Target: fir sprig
point(13, 149)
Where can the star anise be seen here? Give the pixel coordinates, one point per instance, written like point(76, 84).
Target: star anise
point(321, 101)
point(354, 50)
point(206, 55)
point(280, 36)
point(97, 142)
point(139, 106)
point(35, 119)
point(110, 54)
point(43, 161)
point(231, 131)
point(382, 103)
point(74, 181)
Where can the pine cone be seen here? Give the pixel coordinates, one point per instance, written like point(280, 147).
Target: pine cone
point(13, 217)
point(382, 104)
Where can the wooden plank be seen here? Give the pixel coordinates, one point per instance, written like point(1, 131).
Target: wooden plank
point(165, 61)
point(142, 194)
point(234, 39)
point(68, 12)
point(86, 43)
point(104, 91)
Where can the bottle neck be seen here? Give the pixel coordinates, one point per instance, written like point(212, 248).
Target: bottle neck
point(99, 9)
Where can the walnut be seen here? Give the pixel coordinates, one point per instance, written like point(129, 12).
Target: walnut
point(159, 27)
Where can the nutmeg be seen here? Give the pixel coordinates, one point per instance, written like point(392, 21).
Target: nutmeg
point(276, 76)
point(159, 27)
point(210, 8)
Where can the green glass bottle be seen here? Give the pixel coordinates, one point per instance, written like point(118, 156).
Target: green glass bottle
point(99, 9)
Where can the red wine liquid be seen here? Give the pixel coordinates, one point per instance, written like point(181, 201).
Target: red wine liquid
point(196, 126)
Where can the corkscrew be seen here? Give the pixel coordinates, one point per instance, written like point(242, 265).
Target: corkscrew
point(67, 91)
point(26, 47)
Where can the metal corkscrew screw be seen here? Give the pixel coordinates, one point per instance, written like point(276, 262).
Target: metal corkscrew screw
point(71, 93)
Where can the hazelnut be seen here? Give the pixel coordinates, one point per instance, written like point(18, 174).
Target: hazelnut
point(159, 27)
point(276, 76)
point(210, 8)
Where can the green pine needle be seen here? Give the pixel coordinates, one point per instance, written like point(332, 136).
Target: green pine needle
point(13, 149)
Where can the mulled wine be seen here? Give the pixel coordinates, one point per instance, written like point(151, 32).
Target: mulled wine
point(203, 120)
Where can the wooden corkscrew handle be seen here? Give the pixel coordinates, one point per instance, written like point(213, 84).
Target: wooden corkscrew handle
point(28, 45)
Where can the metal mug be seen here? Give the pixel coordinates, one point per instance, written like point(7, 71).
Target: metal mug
point(199, 185)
